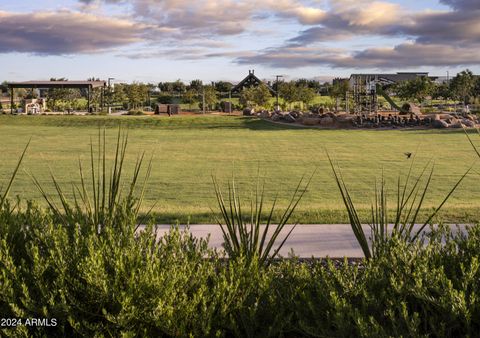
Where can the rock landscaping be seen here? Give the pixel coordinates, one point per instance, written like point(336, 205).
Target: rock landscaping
point(391, 120)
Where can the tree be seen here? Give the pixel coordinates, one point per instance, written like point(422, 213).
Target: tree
point(210, 96)
point(196, 85)
point(116, 95)
point(246, 97)
point(418, 89)
point(179, 87)
point(305, 94)
point(288, 91)
point(166, 87)
point(190, 97)
point(172, 87)
point(442, 91)
point(462, 86)
point(258, 96)
point(338, 90)
point(476, 89)
point(313, 84)
point(136, 94)
point(4, 87)
point(223, 86)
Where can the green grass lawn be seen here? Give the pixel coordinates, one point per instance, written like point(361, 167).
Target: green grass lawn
point(189, 149)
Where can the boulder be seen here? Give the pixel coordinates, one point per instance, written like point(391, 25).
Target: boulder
point(444, 116)
point(248, 112)
point(468, 123)
point(310, 121)
point(289, 118)
point(440, 124)
point(265, 114)
point(276, 117)
point(326, 121)
point(453, 120)
point(345, 120)
point(457, 125)
point(415, 109)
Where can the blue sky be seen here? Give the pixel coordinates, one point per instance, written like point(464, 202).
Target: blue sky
point(152, 40)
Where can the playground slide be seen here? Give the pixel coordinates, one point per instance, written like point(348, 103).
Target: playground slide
point(388, 98)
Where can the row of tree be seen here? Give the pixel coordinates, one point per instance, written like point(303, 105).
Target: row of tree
point(462, 88)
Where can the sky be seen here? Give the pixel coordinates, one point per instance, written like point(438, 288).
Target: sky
point(165, 40)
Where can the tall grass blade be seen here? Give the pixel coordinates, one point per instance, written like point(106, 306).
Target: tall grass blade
point(4, 196)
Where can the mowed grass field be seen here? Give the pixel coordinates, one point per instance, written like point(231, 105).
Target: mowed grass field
point(187, 150)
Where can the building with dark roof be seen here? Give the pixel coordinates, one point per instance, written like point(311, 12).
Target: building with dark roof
point(250, 81)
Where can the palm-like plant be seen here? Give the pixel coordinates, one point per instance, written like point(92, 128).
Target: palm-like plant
point(410, 198)
point(471, 141)
point(244, 234)
point(101, 202)
point(4, 195)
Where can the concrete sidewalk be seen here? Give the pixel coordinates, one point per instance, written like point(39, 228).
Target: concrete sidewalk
point(306, 240)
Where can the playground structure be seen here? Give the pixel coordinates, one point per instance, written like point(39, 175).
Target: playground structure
point(367, 87)
point(35, 106)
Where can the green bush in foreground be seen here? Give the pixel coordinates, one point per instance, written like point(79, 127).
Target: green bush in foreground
point(113, 284)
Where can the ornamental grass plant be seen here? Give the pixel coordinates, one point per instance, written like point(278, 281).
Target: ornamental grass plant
point(410, 196)
point(244, 233)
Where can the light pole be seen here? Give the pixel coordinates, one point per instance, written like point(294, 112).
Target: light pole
point(278, 77)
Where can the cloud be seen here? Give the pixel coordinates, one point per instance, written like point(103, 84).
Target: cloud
point(202, 29)
point(227, 17)
point(462, 4)
point(194, 18)
point(407, 55)
point(416, 55)
point(171, 53)
point(188, 53)
point(348, 19)
point(65, 32)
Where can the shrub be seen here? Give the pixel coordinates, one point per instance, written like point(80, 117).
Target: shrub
point(117, 284)
point(244, 235)
point(419, 290)
point(409, 202)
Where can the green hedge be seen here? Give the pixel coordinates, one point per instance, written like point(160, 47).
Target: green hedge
point(114, 283)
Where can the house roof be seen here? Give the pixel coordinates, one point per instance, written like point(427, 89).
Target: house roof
point(250, 80)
